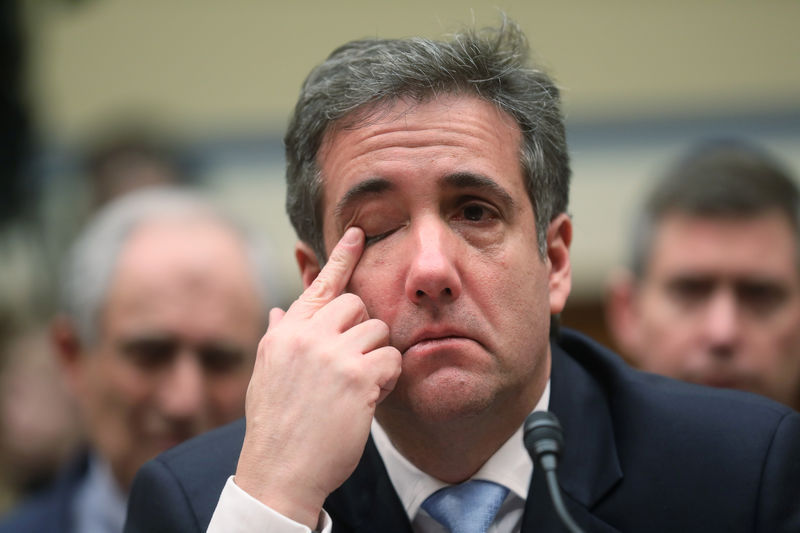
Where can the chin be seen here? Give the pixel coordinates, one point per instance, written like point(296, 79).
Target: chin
point(446, 397)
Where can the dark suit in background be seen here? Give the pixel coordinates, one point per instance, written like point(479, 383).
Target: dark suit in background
point(643, 453)
point(50, 511)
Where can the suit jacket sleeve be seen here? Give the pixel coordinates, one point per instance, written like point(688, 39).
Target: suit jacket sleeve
point(779, 497)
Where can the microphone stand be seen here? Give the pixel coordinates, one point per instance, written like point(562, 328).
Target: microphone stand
point(544, 440)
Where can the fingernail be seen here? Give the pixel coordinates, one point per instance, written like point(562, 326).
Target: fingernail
point(351, 236)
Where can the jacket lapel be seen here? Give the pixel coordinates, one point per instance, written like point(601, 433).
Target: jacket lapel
point(588, 470)
point(589, 467)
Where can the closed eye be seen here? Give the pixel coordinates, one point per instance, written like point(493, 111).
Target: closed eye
point(372, 239)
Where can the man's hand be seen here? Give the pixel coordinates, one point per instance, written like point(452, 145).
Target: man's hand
point(321, 369)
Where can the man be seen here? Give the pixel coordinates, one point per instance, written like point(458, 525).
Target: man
point(38, 423)
point(433, 177)
point(712, 294)
point(165, 299)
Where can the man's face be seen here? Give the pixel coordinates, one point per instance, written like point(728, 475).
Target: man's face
point(451, 262)
point(177, 340)
point(720, 304)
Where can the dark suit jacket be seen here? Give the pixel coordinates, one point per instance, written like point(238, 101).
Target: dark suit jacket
point(643, 454)
point(50, 511)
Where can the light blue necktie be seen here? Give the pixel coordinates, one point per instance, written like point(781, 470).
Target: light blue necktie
point(466, 508)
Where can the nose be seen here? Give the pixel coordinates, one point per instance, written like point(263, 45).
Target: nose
point(182, 390)
point(433, 276)
point(722, 322)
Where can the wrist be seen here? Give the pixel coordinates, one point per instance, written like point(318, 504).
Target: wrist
point(285, 494)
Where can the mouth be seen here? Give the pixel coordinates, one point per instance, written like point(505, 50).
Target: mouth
point(431, 341)
point(168, 439)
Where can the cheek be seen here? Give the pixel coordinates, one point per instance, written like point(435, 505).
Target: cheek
point(514, 296)
point(111, 396)
point(227, 397)
point(379, 282)
point(522, 281)
point(776, 344)
point(670, 339)
point(664, 323)
point(669, 344)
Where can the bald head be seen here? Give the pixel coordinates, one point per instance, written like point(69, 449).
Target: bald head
point(166, 301)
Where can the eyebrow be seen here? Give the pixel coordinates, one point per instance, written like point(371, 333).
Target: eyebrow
point(469, 180)
point(458, 180)
point(368, 187)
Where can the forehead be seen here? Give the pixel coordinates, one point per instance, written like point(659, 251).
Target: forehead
point(182, 245)
point(181, 266)
point(759, 245)
point(416, 142)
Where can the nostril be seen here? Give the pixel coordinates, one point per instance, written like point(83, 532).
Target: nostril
point(420, 293)
point(448, 292)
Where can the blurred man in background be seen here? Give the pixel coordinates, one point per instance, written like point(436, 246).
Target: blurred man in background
point(39, 430)
point(39, 427)
point(712, 292)
point(164, 300)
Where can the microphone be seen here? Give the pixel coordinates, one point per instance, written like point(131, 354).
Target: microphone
point(544, 440)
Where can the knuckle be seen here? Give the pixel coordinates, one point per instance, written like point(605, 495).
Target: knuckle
point(264, 345)
point(341, 256)
point(350, 372)
point(380, 327)
point(394, 356)
point(320, 290)
point(351, 301)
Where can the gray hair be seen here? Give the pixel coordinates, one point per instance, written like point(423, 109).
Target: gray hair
point(92, 259)
point(491, 64)
point(723, 178)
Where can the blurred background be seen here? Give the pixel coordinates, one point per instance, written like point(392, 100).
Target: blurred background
point(199, 91)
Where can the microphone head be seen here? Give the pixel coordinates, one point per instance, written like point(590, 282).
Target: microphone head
point(542, 434)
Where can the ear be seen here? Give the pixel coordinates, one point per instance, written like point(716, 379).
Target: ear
point(68, 350)
point(559, 238)
point(307, 262)
point(621, 314)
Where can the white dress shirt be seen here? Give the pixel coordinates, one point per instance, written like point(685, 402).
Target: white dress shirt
point(99, 504)
point(510, 466)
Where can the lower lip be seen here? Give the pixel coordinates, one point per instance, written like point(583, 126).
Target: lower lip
point(429, 347)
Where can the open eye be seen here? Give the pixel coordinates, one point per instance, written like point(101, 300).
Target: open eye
point(220, 359)
point(761, 297)
point(149, 353)
point(474, 212)
point(477, 212)
point(690, 291)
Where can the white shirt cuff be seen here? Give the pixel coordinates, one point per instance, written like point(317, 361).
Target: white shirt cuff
point(238, 512)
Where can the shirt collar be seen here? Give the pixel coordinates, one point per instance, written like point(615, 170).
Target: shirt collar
point(100, 504)
point(510, 466)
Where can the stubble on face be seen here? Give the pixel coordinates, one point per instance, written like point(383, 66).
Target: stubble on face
point(499, 321)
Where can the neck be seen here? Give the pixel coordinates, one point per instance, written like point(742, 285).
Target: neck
point(454, 450)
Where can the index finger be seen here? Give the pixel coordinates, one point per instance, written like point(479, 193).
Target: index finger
point(335, 275)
